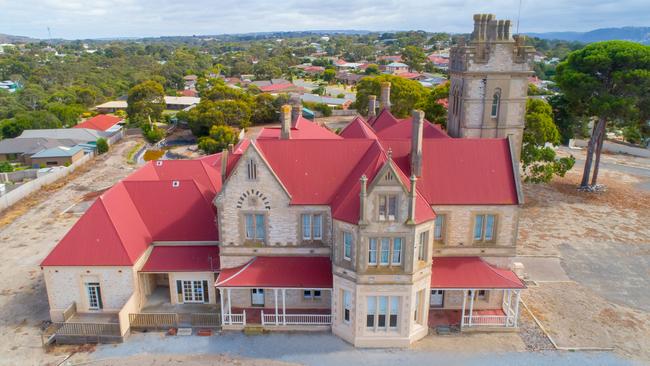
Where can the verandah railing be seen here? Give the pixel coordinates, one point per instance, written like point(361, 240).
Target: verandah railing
point(296, 319)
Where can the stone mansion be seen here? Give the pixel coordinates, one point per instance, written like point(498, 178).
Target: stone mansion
point(379, 233)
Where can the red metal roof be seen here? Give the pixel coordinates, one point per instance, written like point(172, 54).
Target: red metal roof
point(471, 273)
point(183, 258)
point(358, 129)
point(101, 122)
point(404, 129)
point(276, 87)
point(285, 272)
point(301, 129)
point(383, 120)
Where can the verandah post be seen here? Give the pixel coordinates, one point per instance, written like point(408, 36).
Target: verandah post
point(275, 294)
point(462, 315)
point(471, 306)
point(284, 307)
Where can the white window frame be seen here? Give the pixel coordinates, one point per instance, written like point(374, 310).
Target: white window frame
point(94, 295)
point(385, 251)
point(423, 241)
point(439, 228)
point(386, 210)
point(347, 306)
point(193, 291)
point(386, 306)
point(308, 294)
point(396, 252)
point(372, 251)
point(347, 245)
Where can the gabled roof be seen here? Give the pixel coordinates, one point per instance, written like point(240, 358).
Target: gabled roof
point(358, 129)
point(383, 120)
point(183, 258)
point(31, 145)
point(101, 122)
point(471, 273)
point(79, 135)
point(279, 272)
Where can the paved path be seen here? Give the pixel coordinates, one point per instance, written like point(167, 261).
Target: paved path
point(325, 349)
point(543, 269)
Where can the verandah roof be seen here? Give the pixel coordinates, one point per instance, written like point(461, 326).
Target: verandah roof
point(471, 273)
point(279, 272)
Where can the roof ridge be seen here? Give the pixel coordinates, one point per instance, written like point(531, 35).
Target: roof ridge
point(496, 272)
point(101, 199)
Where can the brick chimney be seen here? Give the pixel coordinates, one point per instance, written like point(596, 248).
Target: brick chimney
point(384, 98)
point(416, 142)
point(285, 121)
point(372, 106)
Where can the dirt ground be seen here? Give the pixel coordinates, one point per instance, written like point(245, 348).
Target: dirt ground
point(602, 241)
point(28, 231)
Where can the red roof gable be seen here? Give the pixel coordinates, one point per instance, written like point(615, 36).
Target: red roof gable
point(286, 272)
point(100, 122)
point(471, 273)
point(358, 129)
point(276, 87)
point(183, 258)
point(383, 120)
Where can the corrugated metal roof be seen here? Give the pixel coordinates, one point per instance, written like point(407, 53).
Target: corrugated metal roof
point(183, 258)
point(471, 273)
point(277, 272)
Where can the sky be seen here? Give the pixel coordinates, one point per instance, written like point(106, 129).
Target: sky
point(80, 19)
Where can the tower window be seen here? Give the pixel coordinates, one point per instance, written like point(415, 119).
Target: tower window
point(252, 170)
point(496, 103)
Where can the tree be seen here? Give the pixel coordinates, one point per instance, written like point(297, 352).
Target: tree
point(539, 162)
point(609, 81)
point(265, 70)
point(6, 167)
point(435, 110)
point(264, 109)
point(146, 102)
point(32, 96)
point(414, 57)
point(372, 69)
point(220, 137)
point(102, 146)
point(329, 75)
point(405, 94)
point(152, 132)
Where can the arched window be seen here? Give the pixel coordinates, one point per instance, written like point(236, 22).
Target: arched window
point(496, 103)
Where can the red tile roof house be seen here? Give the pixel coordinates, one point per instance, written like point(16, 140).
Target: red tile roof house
point(377, 234)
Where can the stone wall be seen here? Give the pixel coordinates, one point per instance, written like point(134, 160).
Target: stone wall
point(294, 299)
point(459, 227)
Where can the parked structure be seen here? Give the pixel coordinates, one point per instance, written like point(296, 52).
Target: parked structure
point(380, 232)
point(57, 156)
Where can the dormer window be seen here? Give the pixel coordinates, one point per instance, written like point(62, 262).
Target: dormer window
point(252, 169)
point(387, 207)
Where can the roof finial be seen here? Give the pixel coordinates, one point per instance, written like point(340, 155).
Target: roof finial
point(390, 153)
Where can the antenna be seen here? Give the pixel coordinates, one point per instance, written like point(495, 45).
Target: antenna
point(49, 34)
point(518, 15)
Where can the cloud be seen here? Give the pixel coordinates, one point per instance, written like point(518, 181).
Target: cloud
point(133, 18)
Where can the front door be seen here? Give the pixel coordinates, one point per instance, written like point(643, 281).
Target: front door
point(94, 296)
point(193, 291)
point(437, 297)
point(257, 297)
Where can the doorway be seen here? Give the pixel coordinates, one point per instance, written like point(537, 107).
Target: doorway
point(257, 297)
point(437, 298)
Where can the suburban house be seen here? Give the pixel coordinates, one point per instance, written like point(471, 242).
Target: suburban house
point(171, 103)
point(276, 86)
point(377, 233)
point(334, 102)
point(102, 122)
point(57, 156)
point(396, 68)
point(22, 149)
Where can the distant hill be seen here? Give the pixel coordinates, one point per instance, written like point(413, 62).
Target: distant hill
point(8, 38)
point(635, 34)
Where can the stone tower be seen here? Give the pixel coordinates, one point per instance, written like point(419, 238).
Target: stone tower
point(489, 82)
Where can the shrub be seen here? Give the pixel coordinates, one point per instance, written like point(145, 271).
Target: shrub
point(6, 167)
point(102, 146)
point(324, 109)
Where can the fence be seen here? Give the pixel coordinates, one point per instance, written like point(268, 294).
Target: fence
point(296, 319)
point(153, 320)
point(485, 321)
point(235, 319)
point(344, 112)
point(32, 186)
point(70, 312)
point(206, 320)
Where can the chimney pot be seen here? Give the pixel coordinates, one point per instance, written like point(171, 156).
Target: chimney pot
point(372, 106)
point(384, 100)
point(417, 130)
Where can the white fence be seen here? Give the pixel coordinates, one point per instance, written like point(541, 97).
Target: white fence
point(296, 319)
point(486, 321)
point(32, 186)
point(235, 319)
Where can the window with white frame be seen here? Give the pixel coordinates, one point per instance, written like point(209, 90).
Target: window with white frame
point(423, 241)
point(439, 228)
point(251, 169)
point(382, 312)
point(347, 305)
point(312, 226)
point(484, 228)
point(255, 226)
point(388, 207)
point(311, 294)
point(385, 251)
point(347, 245)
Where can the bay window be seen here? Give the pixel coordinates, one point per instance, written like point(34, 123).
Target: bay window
point(389, 251)
point(382, 312)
